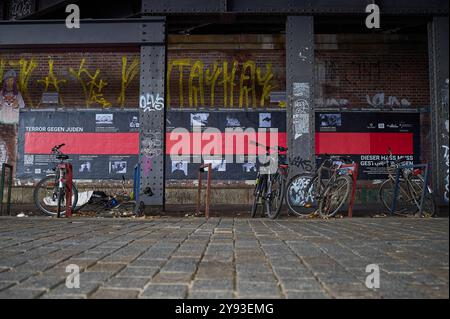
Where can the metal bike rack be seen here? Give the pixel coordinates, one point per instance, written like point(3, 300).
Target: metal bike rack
point(397, 183)
point(69, 183)
point(2, 188)
point(353, 171)
point(208, 189)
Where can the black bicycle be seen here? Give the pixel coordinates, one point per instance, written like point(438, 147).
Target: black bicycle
point(270, 186)
point(324, 192)
point(50, 192)
point(411, 185)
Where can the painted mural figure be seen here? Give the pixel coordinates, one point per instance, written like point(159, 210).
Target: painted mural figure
point(10, 99)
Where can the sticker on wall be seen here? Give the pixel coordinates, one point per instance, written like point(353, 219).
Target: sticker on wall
point(101, 119)
point(330, 120)
point(301, 124)
point(199, 119)
point(232, 121)
point(118, 167)
point(217, 165)
point(265, 120)
point(85, 167)
point(249, 167)
point(180, 168)
point(300, 90)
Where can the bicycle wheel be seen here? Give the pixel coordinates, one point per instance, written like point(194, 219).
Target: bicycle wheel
point(335, 196)
point(46, 196)
point(429, 205)
point(274, 200)
point(258, 196)
point(300, 194)
point(404, 203)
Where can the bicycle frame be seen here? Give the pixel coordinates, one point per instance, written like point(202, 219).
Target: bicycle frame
point(410, 188)
point(333, 170)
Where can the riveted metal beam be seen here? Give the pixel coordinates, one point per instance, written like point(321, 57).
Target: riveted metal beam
point(431, 7)
point(152, 123)
point(92, 32)
point(439, 81)
point(300, 88)
point(183, 6)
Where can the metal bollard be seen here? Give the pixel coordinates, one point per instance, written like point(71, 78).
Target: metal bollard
point(208, 189)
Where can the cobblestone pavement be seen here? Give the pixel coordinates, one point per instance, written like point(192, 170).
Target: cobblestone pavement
point(224, 258)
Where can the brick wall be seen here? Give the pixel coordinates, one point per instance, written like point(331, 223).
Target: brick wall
point(354, 68)
point(35, 67)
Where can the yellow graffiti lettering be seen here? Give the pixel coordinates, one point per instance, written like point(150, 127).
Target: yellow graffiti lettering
point(255, 85)
point(211, 79)
point(245, 90)
point(266, 83)
point(196, 90)
point(92, 86)
point(128, 74)
point(52, 80)
point(228, 80)
point(26, 68)
point(180, 64)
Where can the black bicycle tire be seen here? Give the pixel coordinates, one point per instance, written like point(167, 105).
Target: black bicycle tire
point(388, 203)
point(305, 212)
point(257, 193)
point(37, 200)
point(282, 181)
point(344, 199)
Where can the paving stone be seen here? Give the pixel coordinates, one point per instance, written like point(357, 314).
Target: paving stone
point(142, 272)
point(172, 278)
point(14, 293)
point(201, 284)
point(156, 291)
point(181, 265)
point(106, 267)
point(127, 282)
point(104, 293)
point(202, 294)
point(243, 258)
point(15, 276)
point(41, 282)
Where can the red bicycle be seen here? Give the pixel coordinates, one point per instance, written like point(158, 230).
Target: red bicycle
point(50, 192)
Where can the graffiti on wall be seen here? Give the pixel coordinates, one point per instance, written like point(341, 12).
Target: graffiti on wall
point(301, 109)
point(151, 147)
point(11, 99)
point(243, 82)
point(20, 8)
point(83, 79)
point(380, 100)
point(150, 102)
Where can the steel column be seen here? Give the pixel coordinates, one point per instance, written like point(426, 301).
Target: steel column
point(439, 80)
point(152, 125)
point(300, 88)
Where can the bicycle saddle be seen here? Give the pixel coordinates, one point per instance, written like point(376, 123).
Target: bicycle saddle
point(62, 157)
